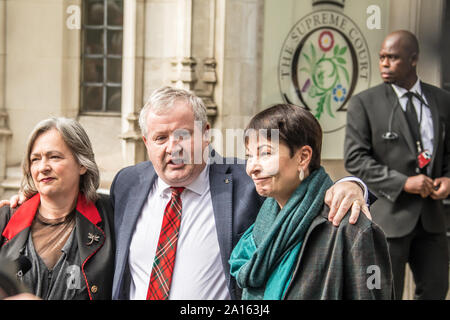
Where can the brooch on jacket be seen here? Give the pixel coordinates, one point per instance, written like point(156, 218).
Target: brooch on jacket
point(92, 238)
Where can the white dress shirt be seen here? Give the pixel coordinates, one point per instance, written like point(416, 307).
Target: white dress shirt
point(360, 183)
point(425, 121)
point(198, 272)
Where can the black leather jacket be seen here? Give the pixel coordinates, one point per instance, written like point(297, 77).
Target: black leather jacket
point(94, 233)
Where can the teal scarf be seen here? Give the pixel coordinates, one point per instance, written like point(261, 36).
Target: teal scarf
point(263, 260)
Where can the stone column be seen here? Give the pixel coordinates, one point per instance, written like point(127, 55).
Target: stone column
point(239, 32)
point(204, 13)
point(194, 66)
point(183, 65)
point(5, 133)
point(71, 58)
point(133, 149)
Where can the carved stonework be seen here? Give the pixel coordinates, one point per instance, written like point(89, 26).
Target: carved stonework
point(5, 134)
point(184, 72)
point(184, 76)
point(134, 149)
point(134, 132)
point(209, 78)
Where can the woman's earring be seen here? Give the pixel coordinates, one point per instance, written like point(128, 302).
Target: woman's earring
point(301, 175)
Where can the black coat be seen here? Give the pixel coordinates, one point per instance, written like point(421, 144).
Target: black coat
point(349, 262)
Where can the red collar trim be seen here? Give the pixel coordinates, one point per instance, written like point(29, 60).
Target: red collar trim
point(24, 216)
point(88, 209)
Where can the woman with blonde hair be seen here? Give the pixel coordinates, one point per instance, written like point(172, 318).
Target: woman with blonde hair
point(65, 229)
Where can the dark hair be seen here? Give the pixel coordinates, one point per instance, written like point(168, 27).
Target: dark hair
point(297, 128)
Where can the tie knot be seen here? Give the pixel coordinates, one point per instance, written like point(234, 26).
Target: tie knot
point(176, 191)
point(409, 94)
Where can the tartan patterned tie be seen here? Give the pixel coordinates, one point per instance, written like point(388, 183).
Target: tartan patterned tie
point(161, 276)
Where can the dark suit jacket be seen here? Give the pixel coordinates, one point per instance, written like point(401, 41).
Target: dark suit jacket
point(235, 203)
point(384, 165)
point(344, 262)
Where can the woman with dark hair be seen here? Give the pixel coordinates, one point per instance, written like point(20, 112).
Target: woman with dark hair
point(65, 229)
point(292, 251)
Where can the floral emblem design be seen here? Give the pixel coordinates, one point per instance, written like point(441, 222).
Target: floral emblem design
point(326, 41)
point(320, 66)
point(326, 71)
point(339, 93)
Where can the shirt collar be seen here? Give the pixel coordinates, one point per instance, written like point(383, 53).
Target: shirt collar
point(198, 186)
point(400, 92)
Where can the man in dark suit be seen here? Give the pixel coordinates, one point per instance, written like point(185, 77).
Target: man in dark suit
point(397, 143)
point(217, 199)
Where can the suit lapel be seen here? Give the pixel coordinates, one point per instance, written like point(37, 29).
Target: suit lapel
point(221, 188)
point(90, 238)
point(132, 211)
point(399, 122)
point(432, 104)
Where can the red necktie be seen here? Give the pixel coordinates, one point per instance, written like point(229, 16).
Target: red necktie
point(161, 277)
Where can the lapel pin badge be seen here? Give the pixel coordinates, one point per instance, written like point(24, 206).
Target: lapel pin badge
point(92, 238)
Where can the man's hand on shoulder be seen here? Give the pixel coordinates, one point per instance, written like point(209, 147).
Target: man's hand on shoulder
point(341, 197)
point(15, 201)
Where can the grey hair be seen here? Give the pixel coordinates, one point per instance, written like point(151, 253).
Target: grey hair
point(78, 142)
point(163, 99)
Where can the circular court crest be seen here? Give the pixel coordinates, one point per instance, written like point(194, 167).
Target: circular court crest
point(324, 60)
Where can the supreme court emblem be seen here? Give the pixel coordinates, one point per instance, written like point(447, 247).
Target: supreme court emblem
point(323, 61)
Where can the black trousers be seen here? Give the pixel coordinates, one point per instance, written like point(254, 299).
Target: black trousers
point(427, 255)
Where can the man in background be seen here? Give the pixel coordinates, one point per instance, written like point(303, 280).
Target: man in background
point(397, 142)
